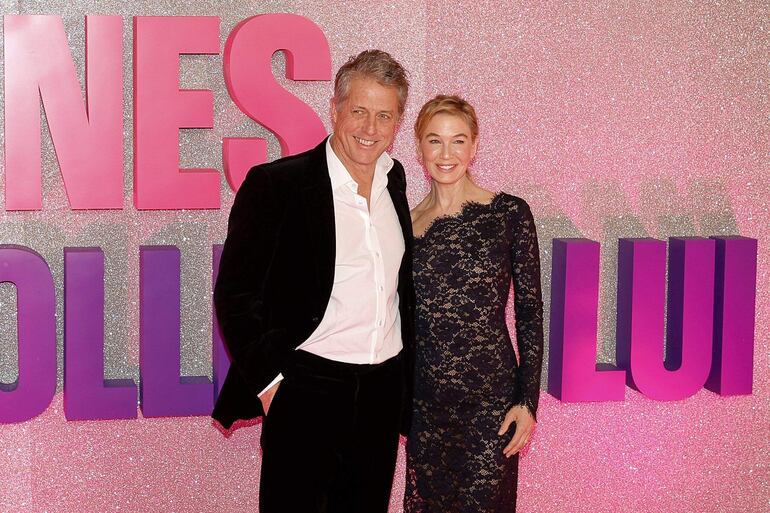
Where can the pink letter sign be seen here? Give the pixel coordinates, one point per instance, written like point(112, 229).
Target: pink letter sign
point(249, 78)
point(161, 109)
point(732, 369)
point(88, 137)
point(641, 296)
point(573, 374)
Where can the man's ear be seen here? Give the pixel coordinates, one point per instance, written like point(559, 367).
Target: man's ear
point(333, 112)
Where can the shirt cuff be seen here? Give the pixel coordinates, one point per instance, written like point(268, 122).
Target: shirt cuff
point(277, 379)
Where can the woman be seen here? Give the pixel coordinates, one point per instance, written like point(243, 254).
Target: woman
point(474, 405)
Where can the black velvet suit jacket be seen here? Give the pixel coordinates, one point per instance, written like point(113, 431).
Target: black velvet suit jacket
point(277, 270)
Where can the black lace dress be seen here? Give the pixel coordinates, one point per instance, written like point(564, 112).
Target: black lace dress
point(467, 375)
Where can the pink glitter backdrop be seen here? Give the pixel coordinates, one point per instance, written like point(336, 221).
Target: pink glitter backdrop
point(613, 119)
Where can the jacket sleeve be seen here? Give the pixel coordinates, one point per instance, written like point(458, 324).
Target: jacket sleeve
point(256, 350)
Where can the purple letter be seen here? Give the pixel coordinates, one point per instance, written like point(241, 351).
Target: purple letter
point(641, 292)
point(736, 288)
point(162, 392)
point(88, 138)
point(87, 395)
point(573, 373)
point(32, 392)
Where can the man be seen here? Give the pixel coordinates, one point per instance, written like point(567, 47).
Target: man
point(315, 301)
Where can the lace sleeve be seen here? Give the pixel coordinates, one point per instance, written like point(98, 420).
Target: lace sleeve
point(528, 305)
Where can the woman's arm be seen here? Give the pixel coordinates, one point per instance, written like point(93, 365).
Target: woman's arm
point(528, 305)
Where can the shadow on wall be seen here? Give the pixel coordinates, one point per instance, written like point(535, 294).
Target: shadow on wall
point(703, 210)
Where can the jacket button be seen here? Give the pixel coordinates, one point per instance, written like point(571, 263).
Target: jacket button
point(316, 319)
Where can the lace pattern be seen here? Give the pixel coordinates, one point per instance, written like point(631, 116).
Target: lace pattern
point(467, 374)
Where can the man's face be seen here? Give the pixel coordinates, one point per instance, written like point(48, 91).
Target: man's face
point(365, 123)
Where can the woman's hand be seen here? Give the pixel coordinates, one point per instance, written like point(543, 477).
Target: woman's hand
point(525, 426)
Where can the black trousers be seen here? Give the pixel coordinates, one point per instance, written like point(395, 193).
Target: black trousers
point(330, 438)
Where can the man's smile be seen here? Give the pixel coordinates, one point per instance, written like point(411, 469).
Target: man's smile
point(364, 142)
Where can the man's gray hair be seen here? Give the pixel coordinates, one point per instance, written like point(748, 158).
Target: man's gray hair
point(376, 64)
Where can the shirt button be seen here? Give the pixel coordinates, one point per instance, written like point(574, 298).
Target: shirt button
point(382, 288)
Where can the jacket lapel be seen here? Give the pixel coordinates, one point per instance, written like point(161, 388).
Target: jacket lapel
point(398, 196)
point(318, 206)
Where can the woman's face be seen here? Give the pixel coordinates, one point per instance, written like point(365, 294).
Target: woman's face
point(447, 148)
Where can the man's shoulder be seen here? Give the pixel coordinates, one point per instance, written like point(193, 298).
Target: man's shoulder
point(288, 170)
point(290, 163)
point(397, 165)
point(397, 174)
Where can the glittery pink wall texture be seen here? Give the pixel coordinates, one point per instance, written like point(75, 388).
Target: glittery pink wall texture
point(612, 119)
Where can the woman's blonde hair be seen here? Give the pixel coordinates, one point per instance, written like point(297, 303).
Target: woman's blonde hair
point(447, 104)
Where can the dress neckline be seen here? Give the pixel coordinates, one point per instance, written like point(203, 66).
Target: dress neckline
point(465, 207)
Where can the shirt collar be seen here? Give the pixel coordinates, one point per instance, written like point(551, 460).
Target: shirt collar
point(340, 176)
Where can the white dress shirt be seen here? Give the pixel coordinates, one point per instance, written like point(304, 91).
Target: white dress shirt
point(361, 323)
